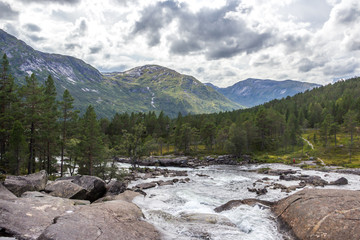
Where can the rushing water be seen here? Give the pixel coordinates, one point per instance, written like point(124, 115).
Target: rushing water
point(186, 210)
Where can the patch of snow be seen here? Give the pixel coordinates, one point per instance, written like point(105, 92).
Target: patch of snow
point(283, 91)
point(99, 100)
point(29, 72)
point(153, 97)
point(89, 90)
point(72, 81)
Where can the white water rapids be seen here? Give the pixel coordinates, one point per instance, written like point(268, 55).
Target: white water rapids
point(166, 206)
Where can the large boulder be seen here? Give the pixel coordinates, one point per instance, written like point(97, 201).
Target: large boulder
point(20, 184)
point(116, 187)
point(207, 218)
point(94, 186)
point(340, 181)
point(321, 214)
point(66, 189)
point(126, 196)
point(108, 220)
point(5, 194)
point(27, 217)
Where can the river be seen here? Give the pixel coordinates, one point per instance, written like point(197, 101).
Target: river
point(185, 211)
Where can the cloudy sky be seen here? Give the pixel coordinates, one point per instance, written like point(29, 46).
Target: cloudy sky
point(218, 41)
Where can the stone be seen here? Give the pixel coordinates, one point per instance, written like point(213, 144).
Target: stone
point(5, 194)
point(32, 182)
point(236, 203)
point(169, 182)
point(126, 196)
point(66, 189)
point(94, 186)
point(116, 187)
point(321, 214)
point(146, 185)
point(28, 216)
point(340, 181)
point(316, 181)
point(108, 220)
point(207, 218)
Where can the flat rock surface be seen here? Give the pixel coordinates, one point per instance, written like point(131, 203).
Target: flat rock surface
point(27, 217)
point(321, 214)
point(66, 189)
point(5, 194)
point(109, 220)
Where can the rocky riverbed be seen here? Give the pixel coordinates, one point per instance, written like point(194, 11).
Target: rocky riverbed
point(270, 201)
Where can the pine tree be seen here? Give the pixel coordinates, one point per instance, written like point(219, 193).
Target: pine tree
point(49, 131)
point(33, 99)
point(17, 147)
point(7, 100)
point(68, 115)
point(91, 141)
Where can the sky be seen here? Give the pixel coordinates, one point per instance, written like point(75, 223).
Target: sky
point(218, 41)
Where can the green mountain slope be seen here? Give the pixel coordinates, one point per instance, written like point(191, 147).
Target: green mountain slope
point(252, 92)
point(142, 89)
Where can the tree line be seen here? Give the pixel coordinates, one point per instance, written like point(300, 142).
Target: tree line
point(40, 131)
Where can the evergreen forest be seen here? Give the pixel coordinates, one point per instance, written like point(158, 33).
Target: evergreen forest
point(40, 130)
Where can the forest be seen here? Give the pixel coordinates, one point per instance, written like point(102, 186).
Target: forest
point(40, 130)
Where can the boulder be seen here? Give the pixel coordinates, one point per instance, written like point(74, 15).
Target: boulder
point(20, 184)
point(108, 220)
point(146, 185)
point(321, 214)
point(94, 186)
point(340, 181)
point(66, 189)
point(28, 216)
point(236, 203)
point(116, 187)
point(126, 196)
point(207, 218)
point(5, 194)
point(315, 181)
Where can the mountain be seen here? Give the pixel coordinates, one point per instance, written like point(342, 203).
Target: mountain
point(142, 89)
point(252, 92)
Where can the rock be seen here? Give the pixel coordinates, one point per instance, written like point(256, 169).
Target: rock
point(321, 214)
point(5, 194)
point(202, 175)
point(20, 184)
point(316, 181)
point(94, 186)
point(235, 203)
point(115, 188)
point(146, 185)
point(126, 196)
point(340, 181)
point(207, 218)
point(259, 191)
point(278, 172)
point(66, 189)
point(108, 220)
point(175, 180)
point(169, 182)
point(27, 217)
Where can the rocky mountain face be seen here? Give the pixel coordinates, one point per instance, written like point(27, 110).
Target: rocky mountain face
point(252, 92)
point(142, 89)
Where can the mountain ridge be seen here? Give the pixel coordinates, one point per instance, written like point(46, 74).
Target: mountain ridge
point(109, 93)
point(252, 91)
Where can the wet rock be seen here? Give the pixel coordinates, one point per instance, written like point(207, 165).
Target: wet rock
point(5, 194)
point(316, 181)
point(258, 191)
point(321, 214)
point(94, 186)
point(66, 189)
point(169, 182)
point(146, 185)
point(202, 175)
point(175, 180)
point(28, 216)
point(278, 172)
point(235, 203)
point(207, 218)
point(116, 187)
point(108, 220)
point(289, 177)
point(340, 181)
point(20, 184)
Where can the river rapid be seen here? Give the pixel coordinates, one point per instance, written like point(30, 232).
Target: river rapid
point(185, 211)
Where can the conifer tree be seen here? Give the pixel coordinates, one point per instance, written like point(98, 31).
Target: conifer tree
point(17, 147)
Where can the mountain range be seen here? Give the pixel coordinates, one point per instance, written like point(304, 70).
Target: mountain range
point(252, 92)
point(141, 89)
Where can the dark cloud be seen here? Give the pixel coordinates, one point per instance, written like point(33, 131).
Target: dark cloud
point(342, 69)
point(11, 29)
point(32, 27)
point(72, 46)
point(68, 2)
point(354, 45)
point(6, 12)
point(80, 30)
point(306, 65)
point(207, 31)
point(35, 38)
point(126, 2)
point(64, 16)
point(348, 15)
point(229, 73)
point(95, 49)
point(200, 70)
point(295, 43)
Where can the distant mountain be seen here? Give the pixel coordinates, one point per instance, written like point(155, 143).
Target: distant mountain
point(142, 89)
point(252, 92)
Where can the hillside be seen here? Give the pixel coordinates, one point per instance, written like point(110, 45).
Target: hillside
point(142, 89)
point(252, 92)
